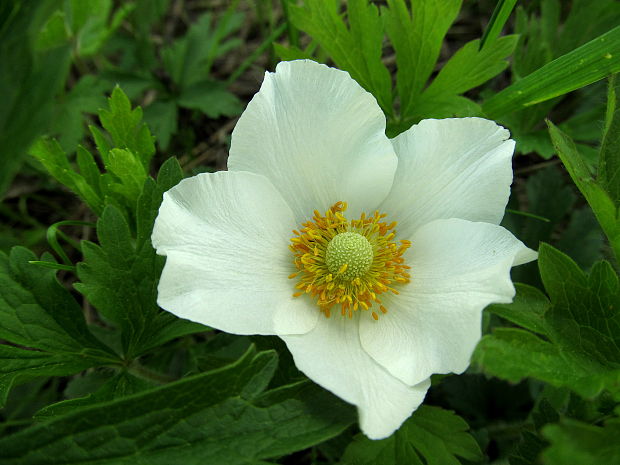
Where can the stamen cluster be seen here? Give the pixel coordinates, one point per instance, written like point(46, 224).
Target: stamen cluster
point(352, 290)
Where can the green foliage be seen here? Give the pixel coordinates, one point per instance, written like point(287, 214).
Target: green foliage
point(542, 39)
point(120, 278)
point(142, 386)
point(356, 48)
point(29, 79)
point(38, 313)
point(416, 37)
point(86, 24)
point(126, 151)
point(578, 68)
point(579, 325)
point(220, 416)
point(500, 15)
point(431, 436)
point(188, 61)
point(609, 164)
point(578, 443)
point(594, 190)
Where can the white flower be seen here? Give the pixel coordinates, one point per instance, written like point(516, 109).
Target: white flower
point(310, 139)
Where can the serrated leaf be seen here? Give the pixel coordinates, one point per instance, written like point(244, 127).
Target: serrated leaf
point(469, 67)
point(515, 354)
point(188, 59)
point(356, 49)
point(585, 316)
point(578, 68)
point(55, 160)
point(578, 443)
point(161, 116)
point(203, 419)
point(38, 313)
point(581, 329)
point(85, 97)
point(417, 38)
point(129, 171)
point(526, 310)
point(170, 174)
point(119, 276)
point(431, 436)
point(121, 385)
point(19, 366)
point(211, 98)
point(126, 128)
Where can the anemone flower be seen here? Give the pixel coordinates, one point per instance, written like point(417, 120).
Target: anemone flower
point(371, 258)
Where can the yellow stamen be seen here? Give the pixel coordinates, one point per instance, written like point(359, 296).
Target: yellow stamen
point(373, 263)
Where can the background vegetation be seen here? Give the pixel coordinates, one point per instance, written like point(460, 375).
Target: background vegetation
point(107, 104)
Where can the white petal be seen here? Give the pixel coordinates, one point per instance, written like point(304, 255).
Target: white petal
point(226, 236)
point(332, 356)
point(433, 325)
point(450, 168)
point(318, 137)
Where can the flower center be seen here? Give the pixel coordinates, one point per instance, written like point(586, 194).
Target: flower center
point(348, 263)
point(349, 254)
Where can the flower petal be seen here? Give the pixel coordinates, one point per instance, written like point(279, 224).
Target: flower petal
point(226, 239)
point(450, 168)
point(318, 137)
point(433, 325)
point(332, 356)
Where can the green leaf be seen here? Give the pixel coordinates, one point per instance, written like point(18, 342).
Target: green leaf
point(356, 49)
point(515, 354)
point(578, 68)
point(585, 316)
point(88, 23)
point(55, 160)
point(578, 443)
point(119, 276)
point(500, 15)
point(609, 156)
point(527, 309)
point(161, 116)
point(19, 366)
point(85, 97)
point(211, 98)
point(170, 174)
point(469, 67)
point(37, 312)
point(291, 53)
point(188, 59)
point(131, 173)
point(126, 128)
point(432, 436)
point(417, 38)
point(581, 329)
point(218, 417)
point(121, 385)
point(600, 202)
point(29, 79)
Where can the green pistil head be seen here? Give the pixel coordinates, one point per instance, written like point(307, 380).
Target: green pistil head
point(351, 249)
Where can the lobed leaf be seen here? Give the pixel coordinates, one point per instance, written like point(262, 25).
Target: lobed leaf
point(431, 436)
point(356, 49)
point(217, 417)
point(417, 38)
